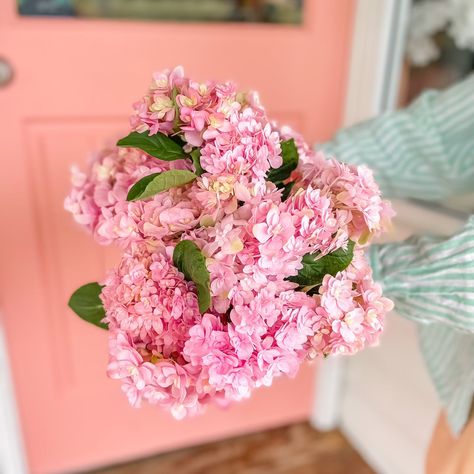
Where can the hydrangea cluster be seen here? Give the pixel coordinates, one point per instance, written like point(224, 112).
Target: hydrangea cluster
point(98, 199)
point(243, 250)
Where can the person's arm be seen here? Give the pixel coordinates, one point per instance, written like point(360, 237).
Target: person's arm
point(425, 151)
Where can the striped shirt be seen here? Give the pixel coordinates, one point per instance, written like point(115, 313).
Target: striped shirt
point(426, 151)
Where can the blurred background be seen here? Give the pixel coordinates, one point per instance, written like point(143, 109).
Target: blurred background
point(69, 71)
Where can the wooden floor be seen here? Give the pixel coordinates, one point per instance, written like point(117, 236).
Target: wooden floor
point(296, 449)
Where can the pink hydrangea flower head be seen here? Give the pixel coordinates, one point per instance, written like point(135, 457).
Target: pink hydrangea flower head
point(254, 238)
point(353, 192)
point(352, 309)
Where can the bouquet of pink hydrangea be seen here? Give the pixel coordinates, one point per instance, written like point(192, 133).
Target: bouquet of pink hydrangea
point(243, 250)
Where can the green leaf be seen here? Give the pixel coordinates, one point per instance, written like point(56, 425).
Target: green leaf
point(86, 303)
point(188, 258)
point(289, 154)
point(314, 268)
point(158, 182)
point(196, 156)
point(287, 190)
point(158, 145)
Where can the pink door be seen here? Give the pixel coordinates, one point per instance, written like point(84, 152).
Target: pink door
point(73, 85)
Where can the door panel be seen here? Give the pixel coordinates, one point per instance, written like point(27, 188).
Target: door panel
point(72, 90)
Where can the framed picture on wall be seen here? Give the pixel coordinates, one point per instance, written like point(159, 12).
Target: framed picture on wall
point(257, 11)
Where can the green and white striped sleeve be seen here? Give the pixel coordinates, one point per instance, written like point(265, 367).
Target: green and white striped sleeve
point(430, 279)
point(425, 151)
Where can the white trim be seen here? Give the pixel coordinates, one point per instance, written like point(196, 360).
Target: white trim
point(394, 53)
point(328, 394)
point(374, 76)
point(12, 457)
point(374, 51)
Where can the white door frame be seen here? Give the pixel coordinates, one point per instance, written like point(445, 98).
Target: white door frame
point(12, 455)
